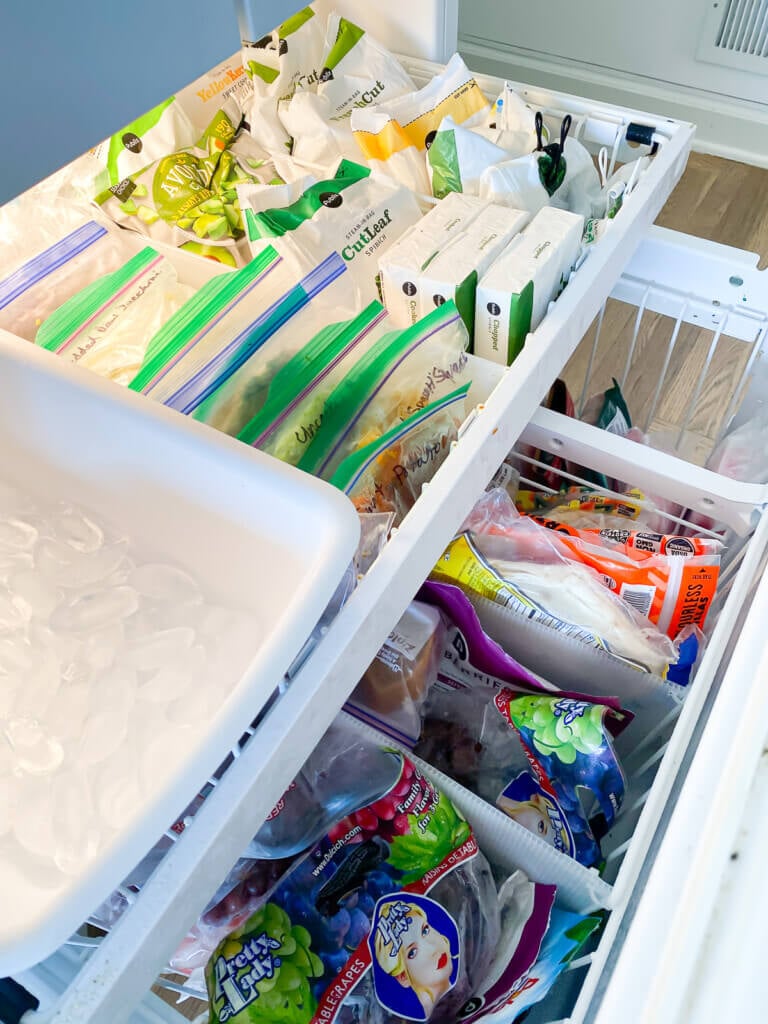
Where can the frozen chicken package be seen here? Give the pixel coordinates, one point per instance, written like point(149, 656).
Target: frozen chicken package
point(402, 265)
point(107, 326)
point(394, 136)
point(356, 213)
point(33, 290)
point(455, 271)
point(513, 296)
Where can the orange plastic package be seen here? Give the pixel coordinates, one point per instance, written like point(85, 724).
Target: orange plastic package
point(671, 591)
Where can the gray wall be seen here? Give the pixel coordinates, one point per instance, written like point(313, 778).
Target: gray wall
point(73, 72)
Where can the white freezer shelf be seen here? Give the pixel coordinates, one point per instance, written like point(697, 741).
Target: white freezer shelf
point(128, 961)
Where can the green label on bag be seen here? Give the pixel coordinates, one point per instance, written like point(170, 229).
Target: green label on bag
point(444, 161)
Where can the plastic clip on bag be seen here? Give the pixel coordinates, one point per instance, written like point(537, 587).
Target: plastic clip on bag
point(107, 326)
point(294, 408)
point(34, 290)
point(388, 474)
point(356, 213)
point(394, 136)
point(400, 375)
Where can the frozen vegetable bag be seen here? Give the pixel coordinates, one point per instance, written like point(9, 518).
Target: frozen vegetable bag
point(107, 326)
point(32, 291)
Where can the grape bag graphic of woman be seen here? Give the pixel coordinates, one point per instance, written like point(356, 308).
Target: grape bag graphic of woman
point(415, 943)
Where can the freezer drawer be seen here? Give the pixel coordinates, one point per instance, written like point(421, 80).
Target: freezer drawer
point(110, 982)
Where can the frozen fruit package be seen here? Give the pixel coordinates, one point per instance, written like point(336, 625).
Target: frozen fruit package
point(393, 913)
point(388, 474)
point(293, 410)
point(555, 774)
point(186, 197)
point(635, 543)
point(394, 135)
point(32, 291)
point(393, 689)
point(108, 325)
point(566, 935)
point(575, 787)
point(400, 375)
point(352, 211)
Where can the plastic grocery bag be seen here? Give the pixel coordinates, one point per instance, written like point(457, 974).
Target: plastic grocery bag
point(284, 60)
point(294, 408)
point(356, 71)
point(31, 291)
point(392, 691)
point(457, 158)
point(353, 212)
point(399, 376)
point(394, 136)
point(107, 326)
point(388, 474)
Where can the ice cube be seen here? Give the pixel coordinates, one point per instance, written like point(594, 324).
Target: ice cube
point(74, 824)
point(16, 536)
point(32, 819)
point(39, 594)
point(103, 733)
point(117, 792)
point(35, 750)
point(67, 711)
point(64, 566)
point(114, 691)
point(164, 754)
point(14, 611)
point(163, 582)
point(161, 649)
point(76, 529)
point(96, 609)
point(165, 685)
point(7, 798)
point(16, 655)
point(38, 687)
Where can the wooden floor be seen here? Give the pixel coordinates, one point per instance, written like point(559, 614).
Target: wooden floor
point(726, 202)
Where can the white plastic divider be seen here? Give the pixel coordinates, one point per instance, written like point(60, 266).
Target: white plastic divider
point(506, 842)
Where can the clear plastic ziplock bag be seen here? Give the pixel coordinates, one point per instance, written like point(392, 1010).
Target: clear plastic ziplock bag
point(294, 407)
point(107, 326)
point(394, 135)
point(400, 375)
point(33, 291)
point(320, 298)
point(393, 689)
point(388, 474)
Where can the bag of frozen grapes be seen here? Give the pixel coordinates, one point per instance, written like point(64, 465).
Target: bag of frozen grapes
point(392, 915)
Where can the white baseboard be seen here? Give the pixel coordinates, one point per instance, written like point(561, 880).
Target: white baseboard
point(725, 126)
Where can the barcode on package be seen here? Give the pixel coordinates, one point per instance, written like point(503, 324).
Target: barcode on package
point(640, 597)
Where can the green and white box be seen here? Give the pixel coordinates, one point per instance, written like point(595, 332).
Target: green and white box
point(455, 271)
point(402, 265)
point(513, 296)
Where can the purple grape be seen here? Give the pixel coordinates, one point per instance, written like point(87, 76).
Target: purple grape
point(358, 929)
